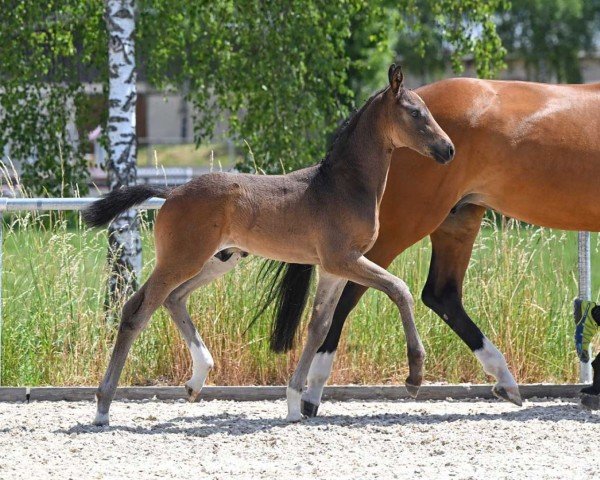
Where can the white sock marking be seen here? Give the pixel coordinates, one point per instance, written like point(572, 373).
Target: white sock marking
point(293, 403)
point(494, 364)
point(202, 363)
point(101, 418)
point(318, 374)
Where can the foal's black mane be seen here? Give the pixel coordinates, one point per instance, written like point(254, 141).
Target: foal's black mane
point(347, 127)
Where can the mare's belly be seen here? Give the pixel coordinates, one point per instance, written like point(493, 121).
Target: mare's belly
point(549, 190)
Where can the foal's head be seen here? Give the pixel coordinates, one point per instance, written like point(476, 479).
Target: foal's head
point(410, 123)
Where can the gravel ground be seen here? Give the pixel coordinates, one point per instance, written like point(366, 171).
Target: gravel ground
point(405, 439)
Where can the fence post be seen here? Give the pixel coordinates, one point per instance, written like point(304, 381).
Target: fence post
point(585, 293)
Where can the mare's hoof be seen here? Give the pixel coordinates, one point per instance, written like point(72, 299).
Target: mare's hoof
point(192, 394)
point(590, 402)
point(412, 390)
point(309, 409)
point(510, 394)
point(101, 419)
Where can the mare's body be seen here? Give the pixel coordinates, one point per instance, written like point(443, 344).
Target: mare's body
point(530, 151)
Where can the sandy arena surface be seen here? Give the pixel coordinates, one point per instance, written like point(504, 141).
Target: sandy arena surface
point(220, 439)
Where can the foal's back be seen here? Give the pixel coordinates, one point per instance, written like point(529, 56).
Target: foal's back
point(276, 216)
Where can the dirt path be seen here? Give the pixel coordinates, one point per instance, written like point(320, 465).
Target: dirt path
point(404, 439)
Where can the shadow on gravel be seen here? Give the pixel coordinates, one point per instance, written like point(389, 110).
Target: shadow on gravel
point(239, 424)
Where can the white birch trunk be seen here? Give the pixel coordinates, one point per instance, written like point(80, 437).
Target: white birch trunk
point(125, 250)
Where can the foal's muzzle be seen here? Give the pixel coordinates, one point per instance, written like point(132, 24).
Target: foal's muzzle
point(443, 152)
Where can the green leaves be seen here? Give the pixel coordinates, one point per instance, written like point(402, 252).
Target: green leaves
point(50, 46)
point(550, 36)
point(279, 74)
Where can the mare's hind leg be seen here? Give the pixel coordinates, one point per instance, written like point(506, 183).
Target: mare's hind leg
point(590, 396)
point(202, 361)
point(329, 290)
point(452, 244)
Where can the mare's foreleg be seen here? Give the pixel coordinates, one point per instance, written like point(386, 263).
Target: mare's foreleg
point(329, 290)
point(590, 396)
point(452, 244)
point(202, 361)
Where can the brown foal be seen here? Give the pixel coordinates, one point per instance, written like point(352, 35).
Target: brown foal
point(325, 215)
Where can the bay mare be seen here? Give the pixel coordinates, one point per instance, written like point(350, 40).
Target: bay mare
point(325, 215)
point(527, 150)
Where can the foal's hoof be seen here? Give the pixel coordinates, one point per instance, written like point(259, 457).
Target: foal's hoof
point(101, 419)
point(294, 417)
point(309, 409)
point(590, 402)
point(510, 394)
point(192, 394)
point(412, 389)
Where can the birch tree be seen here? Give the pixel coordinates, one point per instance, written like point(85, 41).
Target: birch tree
point(125, 248)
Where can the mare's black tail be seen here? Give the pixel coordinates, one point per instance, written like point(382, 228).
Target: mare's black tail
point(289, 288)
point(112, 204)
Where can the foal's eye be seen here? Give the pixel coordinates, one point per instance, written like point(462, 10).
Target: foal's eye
point(415, 114)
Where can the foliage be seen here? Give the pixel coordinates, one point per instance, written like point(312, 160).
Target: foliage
point(550, 35)
point(279, 72)
point(48, 46)
point(425, 35)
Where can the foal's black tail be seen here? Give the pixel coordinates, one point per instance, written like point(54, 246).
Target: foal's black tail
point(290, 283)
point(112, 204)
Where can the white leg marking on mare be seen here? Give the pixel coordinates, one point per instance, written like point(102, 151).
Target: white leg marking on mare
point(293, 403)
point(494, 364)
point(320, 370)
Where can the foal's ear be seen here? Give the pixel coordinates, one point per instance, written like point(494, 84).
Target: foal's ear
point(396, 77)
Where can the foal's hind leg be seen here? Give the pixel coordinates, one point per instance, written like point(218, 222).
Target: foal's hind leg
point(202, 361)
point(329, 290)
point(178, 258)
point(136, 313)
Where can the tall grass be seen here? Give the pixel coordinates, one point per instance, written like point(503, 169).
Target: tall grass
point(518, 289)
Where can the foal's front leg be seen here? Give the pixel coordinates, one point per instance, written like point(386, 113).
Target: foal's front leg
point(361, 270)
point(329, 290)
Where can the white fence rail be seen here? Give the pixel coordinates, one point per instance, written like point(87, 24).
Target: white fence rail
point(76, 204)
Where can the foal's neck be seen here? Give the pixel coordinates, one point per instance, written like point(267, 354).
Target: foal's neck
point(361, 161)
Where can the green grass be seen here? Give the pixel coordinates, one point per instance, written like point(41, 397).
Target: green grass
point(519, 290)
